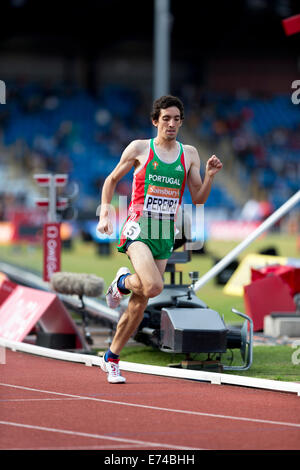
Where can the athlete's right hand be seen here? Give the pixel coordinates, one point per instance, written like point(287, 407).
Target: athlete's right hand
point(105, 226)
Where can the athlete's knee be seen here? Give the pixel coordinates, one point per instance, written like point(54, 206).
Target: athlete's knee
point(134, 284)
point(153, 288)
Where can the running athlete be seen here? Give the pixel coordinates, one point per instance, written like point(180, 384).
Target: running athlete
point(163, 166)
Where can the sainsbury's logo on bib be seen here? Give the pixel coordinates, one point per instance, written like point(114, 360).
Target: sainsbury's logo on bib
point(163, 192)
point(161, 200)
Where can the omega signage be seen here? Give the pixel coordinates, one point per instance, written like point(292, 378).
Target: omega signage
point(52, 248)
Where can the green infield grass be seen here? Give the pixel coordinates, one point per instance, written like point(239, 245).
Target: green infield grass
point(273, 362)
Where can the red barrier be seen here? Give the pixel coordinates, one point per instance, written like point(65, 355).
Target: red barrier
point(289, 274)
point(6, 288)
point(24, 307)
point(267, 295)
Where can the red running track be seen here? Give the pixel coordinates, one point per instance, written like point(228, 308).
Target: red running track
point(51, 404)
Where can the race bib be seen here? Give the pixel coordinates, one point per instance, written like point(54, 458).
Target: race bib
point(132, 230)
point(161, 200)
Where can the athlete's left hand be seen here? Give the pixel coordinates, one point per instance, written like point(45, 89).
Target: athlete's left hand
point(213, 165)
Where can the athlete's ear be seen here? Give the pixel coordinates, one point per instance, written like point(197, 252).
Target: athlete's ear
point(154, 122)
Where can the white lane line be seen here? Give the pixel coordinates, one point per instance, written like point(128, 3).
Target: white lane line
point(95, 436)
point(95, 447)
point(5, 400)
point(158, 408)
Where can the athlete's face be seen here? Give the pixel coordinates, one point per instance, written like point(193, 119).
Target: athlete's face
point(168, 123)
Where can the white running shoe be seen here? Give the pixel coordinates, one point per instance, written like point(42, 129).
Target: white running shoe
point(113, 371)
point(113, 295)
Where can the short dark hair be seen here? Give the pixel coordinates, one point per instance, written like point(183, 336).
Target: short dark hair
point(165, 102)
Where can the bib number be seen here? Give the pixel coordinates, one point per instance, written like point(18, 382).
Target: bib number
point(132, 230)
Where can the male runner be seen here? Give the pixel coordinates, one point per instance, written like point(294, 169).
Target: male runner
point(162, 168)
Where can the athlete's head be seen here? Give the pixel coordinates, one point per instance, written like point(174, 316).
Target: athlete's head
point(167, 116)
point(165, 102)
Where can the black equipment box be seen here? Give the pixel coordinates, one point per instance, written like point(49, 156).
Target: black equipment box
point(192, 330)
point(56, 340)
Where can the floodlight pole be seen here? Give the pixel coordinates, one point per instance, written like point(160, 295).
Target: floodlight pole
point(269, 222)
point(161, 48)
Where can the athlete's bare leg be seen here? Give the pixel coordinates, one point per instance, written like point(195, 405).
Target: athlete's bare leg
point(146, 282)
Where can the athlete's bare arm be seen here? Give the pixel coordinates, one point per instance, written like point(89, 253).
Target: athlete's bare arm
point(131, 156)
point(200, 189)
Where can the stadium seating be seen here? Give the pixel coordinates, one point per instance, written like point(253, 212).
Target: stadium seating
point(264, 134)
point(71, 130)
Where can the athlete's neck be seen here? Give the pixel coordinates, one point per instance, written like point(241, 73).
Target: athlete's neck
point(166, 144)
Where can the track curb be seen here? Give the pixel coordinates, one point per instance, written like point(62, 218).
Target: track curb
point(201, 376)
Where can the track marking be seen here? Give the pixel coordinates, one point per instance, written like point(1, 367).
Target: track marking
point(95, 447)
point(36, 399)
point(95, 436)
point(158, 408)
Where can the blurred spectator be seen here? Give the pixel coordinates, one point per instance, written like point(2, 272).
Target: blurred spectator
point(251, 211)
point(59, 127)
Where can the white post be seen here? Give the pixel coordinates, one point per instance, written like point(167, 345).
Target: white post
point(52, 200)
point(161, 48)
point(271, 220)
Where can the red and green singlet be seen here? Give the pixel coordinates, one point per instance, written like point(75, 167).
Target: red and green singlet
point(157, 192)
